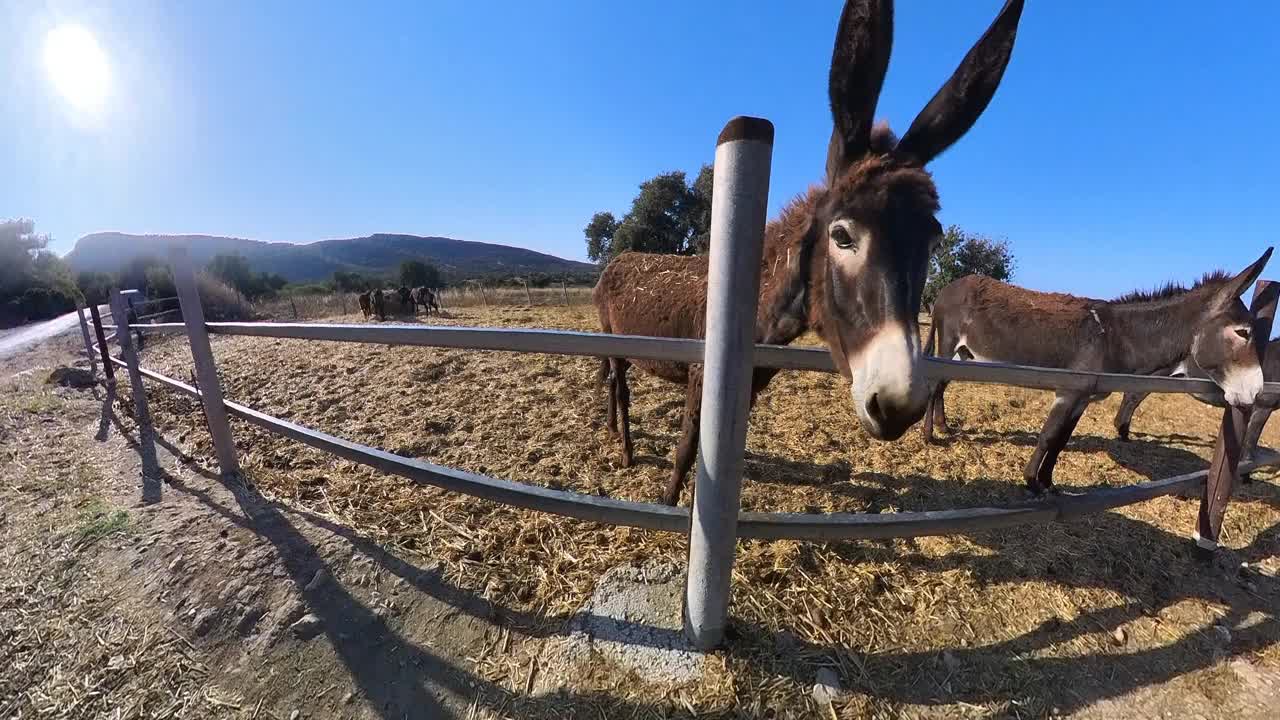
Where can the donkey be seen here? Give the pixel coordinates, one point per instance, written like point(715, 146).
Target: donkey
point(977, 318)
point(1263, 405)
point(847, 259)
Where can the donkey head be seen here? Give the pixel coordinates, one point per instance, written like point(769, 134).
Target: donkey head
point(874, 222)
point(1224, 346)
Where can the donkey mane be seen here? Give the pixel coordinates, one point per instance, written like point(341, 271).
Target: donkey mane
point(1172, 289)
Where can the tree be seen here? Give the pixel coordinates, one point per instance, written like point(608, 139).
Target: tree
point(600, 232)
point(960, 254)
point(351, 282)
point(667, 216)
point(700, 210)
point(234, 271)
point(415, 273)
point(34, 282)
point(95, 286)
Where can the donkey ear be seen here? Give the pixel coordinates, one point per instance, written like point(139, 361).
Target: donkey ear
point(1236, 286)
point(956, 107)
point(858, 65)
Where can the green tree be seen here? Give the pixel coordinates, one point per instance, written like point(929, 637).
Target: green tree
point(95, 286)
point(700, 210)
point(34, 282)
point(960, 254)
point(667, 216)
point(351, 282)
point(414, 273)
point(599, 233)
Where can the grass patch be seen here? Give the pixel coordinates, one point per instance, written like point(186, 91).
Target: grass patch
point(99, 520)
point(40, 402)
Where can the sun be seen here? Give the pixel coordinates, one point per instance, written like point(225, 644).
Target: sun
point(78, 67)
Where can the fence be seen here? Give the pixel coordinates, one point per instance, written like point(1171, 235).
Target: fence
point(715, 521)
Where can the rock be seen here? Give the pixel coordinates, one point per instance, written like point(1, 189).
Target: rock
point(307, 626)
point(348, 698)
point(826, 686)
point(1222, 634)
point(204, 620)
point(317, 580)
point(76, 378)
point(1120, 636)
point(295, 715)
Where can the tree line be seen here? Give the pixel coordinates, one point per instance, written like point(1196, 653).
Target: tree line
point(670, 216)
point(34, 282)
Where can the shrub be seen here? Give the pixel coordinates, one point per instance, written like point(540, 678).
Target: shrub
point(221, 303)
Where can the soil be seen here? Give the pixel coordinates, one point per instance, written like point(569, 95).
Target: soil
point(314, 587)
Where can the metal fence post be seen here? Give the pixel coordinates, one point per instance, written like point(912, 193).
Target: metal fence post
point(88, 344)
point(739, 205)
point(1223, 469)
point(215, 412)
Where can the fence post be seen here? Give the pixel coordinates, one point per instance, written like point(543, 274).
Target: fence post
point(1223, 469)
point(146, 443)
point(565, 289)
point(215, 412)
point(88, 344)
point(739, 204)
point(527, 296)
point(108, 368)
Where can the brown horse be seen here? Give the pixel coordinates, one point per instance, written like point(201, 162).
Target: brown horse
point(847, 259)
point(1263, 405)
point(977, 318)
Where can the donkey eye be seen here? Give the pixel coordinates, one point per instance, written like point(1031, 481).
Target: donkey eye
point(841, 237)
point(1243, 333)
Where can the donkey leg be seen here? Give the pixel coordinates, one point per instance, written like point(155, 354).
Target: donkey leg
point(1257, 423)
point(607, 375)
point(624, 409)
point(935, 413)
point(687, 450)
point(1063, 416)
point(1124, 416)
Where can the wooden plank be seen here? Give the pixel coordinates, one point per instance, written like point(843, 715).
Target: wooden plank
point(107, 368)
point(146, 439)
point(215, 412)
point(739, 207)
point(88, 343)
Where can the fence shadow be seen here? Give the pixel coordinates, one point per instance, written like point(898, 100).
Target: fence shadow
point(1078, 681)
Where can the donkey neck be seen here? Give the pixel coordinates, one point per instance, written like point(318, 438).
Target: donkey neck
point(1146, 336)
point(786, 273)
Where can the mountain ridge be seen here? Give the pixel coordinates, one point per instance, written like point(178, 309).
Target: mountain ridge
point(375, 254)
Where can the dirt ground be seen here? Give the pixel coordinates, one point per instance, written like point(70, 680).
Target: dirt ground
point(322, 587)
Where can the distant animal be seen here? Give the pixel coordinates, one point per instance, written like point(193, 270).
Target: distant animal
point(423, 296)
point(1263, 405)
point(393, 303)
point(978, 318)
point(847, 259)
point(377, 300)
point(366, 304)
point(406, 298)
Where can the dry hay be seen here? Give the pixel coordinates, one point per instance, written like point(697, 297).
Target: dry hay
point(1014, 622)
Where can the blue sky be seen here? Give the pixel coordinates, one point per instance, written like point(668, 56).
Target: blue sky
point(1130, 143)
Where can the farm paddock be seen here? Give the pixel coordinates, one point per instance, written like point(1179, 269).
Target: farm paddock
point(1109, 616)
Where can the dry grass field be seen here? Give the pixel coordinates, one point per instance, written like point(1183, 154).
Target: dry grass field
point(1024, 622)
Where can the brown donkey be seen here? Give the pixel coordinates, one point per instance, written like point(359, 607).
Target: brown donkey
point(977, 318)
point(846, 259)
point(1263, 405)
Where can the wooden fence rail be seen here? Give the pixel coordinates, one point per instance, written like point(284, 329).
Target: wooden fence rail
point(762, 525)
point(568, 342)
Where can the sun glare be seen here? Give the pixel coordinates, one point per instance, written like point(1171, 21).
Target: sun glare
point(77, 66)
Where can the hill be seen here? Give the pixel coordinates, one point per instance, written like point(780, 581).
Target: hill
point(378, 254)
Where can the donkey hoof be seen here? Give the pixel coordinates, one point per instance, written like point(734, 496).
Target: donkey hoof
point(627, 461)
point(670, 499)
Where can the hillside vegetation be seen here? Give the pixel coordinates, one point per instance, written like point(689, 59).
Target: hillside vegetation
point(378, 254)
